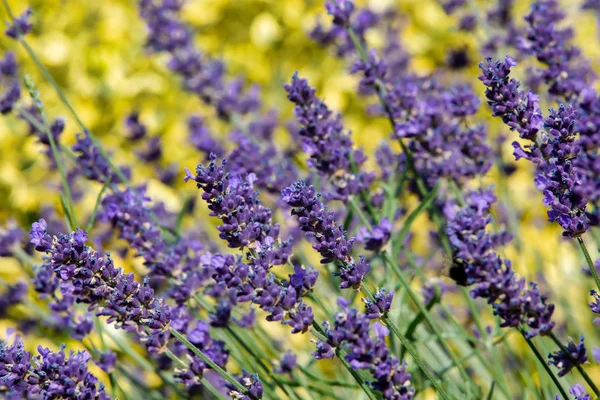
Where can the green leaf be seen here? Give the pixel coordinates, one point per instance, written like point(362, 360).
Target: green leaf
point(425, 204)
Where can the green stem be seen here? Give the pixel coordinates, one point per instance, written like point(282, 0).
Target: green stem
point(545, 365)
point(209, 386)
point(589, 261)
point(70, 209)
point(359, 212)
point(584, 374)
point(426, 315)
point(413, 352)
point(329, 382)
point(244, 343)
point(411, 349)
point(318, 332)
point(322, 306)
point(208, 361)
point(90, 223)
point(360, 381)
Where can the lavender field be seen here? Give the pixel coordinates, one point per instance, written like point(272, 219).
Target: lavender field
point(300, 199)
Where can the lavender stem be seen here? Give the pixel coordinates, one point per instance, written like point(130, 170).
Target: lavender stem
point(208, 361)
point(589, 261)
point(544, 364)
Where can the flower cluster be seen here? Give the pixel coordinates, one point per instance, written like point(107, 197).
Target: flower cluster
point(52, 375)
point(477, 263)
point(587, 164)
point(376, 237)
point(11, 235)
point(330, 239)
point(578, 392)
point(233, 199)
point(342, 12)
point(9, 83)
point(205, 78)
point(201, 138)
point(201, 75)
point(191, 290)
point(428, 114)
point(568, 358)
point(92, 163)
point(564, 72)
point(595, 306)
point(553, 145)
point(12, 295)
point(326, 142)
point(88, 277)
point(153, 152)
point(246, 223)
point(352, 332)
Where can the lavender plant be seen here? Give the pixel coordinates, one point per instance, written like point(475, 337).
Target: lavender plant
point(194, 308)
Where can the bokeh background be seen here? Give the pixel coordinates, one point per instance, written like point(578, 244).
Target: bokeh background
point(95, 50)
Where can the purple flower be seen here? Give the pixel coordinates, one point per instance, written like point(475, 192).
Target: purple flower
point(10, 89)
point(595, 306)
point(450, 6)
point(340, 10)
point(326, 142)
point(91, 278)
point(377, 237)
point(251, 383)
point(10, 236)
point(477, 263)
point(247, 320)
point(588, 162)
point(554, 153)
point(300, 319)
point(430, 116)
point(200, 74)
point(107, 361)
point(569, 357)
point(329, 237)
point(51, 374)
point(201, 138)
point(468, 23)
point(271, 171)
point(381, 304)
point(303, 280)
point(578, 392)
point(136, 129)
point(565, 73)
point(233, 199)
point(519, 110)
point(365, 351)
point(373, 71)
point(91, 162)
point(287, 363)
point(12, 295)
point(15, 364)
point(21, 25)
point(353, 273)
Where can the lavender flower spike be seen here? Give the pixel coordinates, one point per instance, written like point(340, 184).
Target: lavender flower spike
point(91, 278)
point(477, 263)
point(51, 375)
point(568, 358)
point(326, 142)
point(329, 237)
